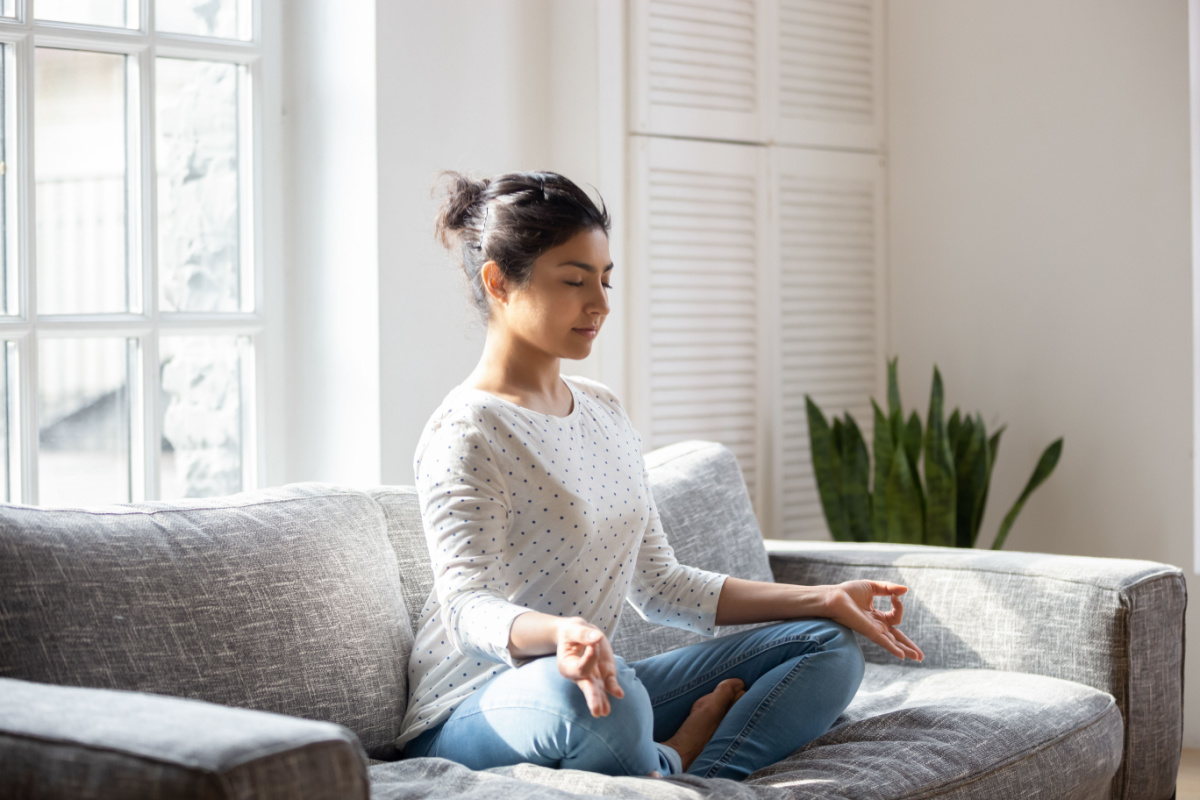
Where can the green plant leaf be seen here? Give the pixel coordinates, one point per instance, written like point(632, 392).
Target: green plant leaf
point(993, 447)
point(953, 432)
point(912, 439)
point(894, 388)
point(856, 472)
point(884, 454)
point(903, 509)
point(827, 470)
point(1045, 466)
point(994, 443)
point(940, 486)
point(970, 467)
point(912, 451)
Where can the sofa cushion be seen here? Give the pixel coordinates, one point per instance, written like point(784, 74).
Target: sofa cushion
point(706, 513)
point(283, 599)
point(960, 733)
point(406, 531)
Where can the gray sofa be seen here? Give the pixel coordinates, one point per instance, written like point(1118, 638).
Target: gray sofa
point(255, 646)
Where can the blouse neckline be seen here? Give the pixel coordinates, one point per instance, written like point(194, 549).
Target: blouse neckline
point(574, 402)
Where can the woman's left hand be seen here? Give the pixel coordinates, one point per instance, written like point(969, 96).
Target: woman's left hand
point(850, 603)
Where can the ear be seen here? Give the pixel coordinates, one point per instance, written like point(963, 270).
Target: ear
point(492, 278)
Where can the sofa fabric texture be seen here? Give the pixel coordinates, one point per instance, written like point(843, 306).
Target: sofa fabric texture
point(1114, 624)
point(978, 734)
point(66, 741)
point(284, 600)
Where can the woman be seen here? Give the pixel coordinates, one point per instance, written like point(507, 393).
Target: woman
point(540, 524)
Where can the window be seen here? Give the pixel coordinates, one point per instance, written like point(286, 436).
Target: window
point(131, 266)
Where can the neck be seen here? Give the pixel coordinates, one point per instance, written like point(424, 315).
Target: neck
point(515, 366)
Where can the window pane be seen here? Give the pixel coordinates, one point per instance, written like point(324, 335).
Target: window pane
point(227, 19)
point(83, 421)
point(81, 208)
point(198, 216)
point(202, 421)
point(85, 12)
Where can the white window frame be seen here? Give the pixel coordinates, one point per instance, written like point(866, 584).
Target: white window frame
point(259, 196)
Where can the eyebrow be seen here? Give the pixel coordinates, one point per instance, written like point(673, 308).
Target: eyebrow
point(582, 265)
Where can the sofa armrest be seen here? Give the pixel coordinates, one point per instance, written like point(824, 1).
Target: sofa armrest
point(72, 742)
point(1113, 624)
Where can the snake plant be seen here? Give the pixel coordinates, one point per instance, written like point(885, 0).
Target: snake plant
point(947, 508)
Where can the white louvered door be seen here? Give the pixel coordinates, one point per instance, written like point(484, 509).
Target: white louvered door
point(698, 220)
point(827, 215)
point(756, 248)
point(700, 68)
point(828, 68)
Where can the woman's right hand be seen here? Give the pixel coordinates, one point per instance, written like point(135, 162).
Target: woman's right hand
point(586, 657)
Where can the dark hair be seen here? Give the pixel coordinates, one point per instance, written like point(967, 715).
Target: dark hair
point(511, 219)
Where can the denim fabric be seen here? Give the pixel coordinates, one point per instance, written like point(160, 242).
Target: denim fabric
point(800, 675)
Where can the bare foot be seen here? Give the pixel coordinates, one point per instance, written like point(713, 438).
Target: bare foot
point(707, 712)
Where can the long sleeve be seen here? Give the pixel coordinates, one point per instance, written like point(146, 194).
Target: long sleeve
point(663, 590)
point(670, 593)
point(465, 509)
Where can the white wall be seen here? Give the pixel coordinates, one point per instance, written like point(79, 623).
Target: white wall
point(1040, 254)
point(330, 239)
point(478, 87)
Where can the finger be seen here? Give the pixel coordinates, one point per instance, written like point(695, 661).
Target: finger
point(905, 644)
point(878, 633)
point(884, 587)
point(903, 637)
point(597, 701)
point(608, 669)
point(587, 660)
point(892, 616)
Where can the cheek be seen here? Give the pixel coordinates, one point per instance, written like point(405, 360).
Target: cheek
point(545, 313)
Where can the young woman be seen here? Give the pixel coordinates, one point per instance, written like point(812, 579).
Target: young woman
point(540, 525)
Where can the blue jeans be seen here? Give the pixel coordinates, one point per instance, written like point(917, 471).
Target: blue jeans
point(799, 675)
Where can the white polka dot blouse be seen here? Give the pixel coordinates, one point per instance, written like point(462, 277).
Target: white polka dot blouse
point(533, 512)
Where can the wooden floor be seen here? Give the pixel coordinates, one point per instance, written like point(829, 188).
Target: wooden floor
point(1188, 787)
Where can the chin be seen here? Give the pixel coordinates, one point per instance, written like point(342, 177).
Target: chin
point(580, 353)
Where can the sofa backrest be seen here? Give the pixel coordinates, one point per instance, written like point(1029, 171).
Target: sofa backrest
point(406, 532)
point(705, 510)
point(285, 599)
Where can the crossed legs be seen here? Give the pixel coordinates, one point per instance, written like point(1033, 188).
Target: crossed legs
point(798, 676)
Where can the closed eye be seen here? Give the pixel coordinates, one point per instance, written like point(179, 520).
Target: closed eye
point(580, 283)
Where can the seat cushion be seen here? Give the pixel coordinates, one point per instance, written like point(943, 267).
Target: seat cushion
point(284, 600)
point(960, 733)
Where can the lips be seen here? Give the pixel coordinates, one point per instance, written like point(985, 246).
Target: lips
point(587, 332)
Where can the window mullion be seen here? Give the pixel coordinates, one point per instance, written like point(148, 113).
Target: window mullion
point(152, 399)
point(26, 261)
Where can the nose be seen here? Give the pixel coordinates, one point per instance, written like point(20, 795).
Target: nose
point(598, 301)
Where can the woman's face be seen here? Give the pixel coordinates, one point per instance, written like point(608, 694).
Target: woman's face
point(563, 306)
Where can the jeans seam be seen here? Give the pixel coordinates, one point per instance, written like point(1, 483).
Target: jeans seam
point(563, 717)
point(740, 657)
point(732, 748)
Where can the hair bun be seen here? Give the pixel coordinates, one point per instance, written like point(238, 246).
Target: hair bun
point(463, 200)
